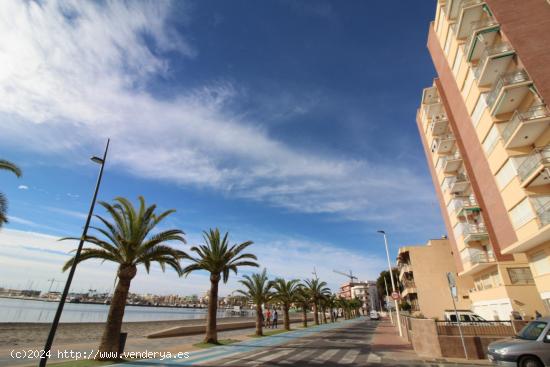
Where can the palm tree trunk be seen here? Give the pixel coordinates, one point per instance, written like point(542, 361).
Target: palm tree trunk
point(259, 320)
point(304, 316)
point(211, 332)
point(323, 310)
point(315, 313)
point(109, 345)
point(287, 319)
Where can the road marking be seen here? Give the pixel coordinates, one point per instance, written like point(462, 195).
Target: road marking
point(271, 355)
point(324, 356)
point(349, 357)
point(243, 358)
point(300, 356)
point(374, 358)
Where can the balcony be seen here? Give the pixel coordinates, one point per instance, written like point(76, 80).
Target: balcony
point(439, 125)
point(458, 184)
point(542, 214)
point(477, 261)
point(409, 287)
point(466, 204)
point(509, 92)
point(451, 163)
point(524, 128)
point(534, 169)
point(445, 144)
point(452, 9)
point(470, 11)
point(404, 268)
point(493, 62)
point(483, 34)
point(474, 232)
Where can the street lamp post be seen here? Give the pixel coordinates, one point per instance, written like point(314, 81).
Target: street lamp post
point(392, 284)
point(386, 300)
point(55, 323)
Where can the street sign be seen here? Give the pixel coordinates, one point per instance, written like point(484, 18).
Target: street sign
point(395, 296)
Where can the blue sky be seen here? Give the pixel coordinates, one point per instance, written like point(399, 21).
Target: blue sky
point(290, 123)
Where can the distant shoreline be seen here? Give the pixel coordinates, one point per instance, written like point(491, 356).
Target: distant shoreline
point(106, 304)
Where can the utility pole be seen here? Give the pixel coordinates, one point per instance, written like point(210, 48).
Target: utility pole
point(392, 284)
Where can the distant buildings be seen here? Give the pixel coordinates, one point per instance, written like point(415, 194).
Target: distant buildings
point(365, 291)
point(422, 274)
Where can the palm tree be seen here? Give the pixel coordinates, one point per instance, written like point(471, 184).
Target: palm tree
point(216, 257)
point(286, 293)
point(323, 303)
point(303, 299)
point(129, 242)
point(258, 290)
point(8, 166)
point(316, 289)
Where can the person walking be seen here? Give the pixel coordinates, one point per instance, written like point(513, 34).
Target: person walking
point(275, 319)
point(268, 318)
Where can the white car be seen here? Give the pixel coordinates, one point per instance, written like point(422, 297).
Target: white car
point(373, 315)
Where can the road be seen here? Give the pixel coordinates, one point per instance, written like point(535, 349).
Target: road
point(347, 343)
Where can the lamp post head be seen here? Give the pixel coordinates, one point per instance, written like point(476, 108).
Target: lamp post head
point(383, 232)
point(97, 160)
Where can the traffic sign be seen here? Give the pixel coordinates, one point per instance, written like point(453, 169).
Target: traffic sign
point(395, 296)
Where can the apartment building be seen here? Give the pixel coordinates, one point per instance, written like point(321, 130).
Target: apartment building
point(485, 128)
point(423, 276)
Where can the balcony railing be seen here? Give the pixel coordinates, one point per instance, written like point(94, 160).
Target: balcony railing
point(456, 183)
point(475, 28)
point(408, 283)
point(449, 159)
point(465, 203)
point(500, 48)
point(515, 77)
point(534, 113)
point(474, 232)
point(480, 257)
point(543, 214)
point(540, 156)
point(443, 143)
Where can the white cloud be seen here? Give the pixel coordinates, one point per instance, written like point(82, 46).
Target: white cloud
point(23, 187)
point(74, 73)
point(34, 257)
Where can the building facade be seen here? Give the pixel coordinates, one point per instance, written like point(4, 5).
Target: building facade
point(485, 128)
point(423, 276)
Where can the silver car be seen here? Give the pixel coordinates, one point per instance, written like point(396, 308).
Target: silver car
point(530, 348)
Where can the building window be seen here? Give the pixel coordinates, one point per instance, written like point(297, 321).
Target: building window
point(520, 276)
point(478, 110)
point(488, 281)
point(448, 42)
point(521, 214)
point(541, 263)
point(506, 174)
point(491, 140)
point(457, 62)
point(468, 84)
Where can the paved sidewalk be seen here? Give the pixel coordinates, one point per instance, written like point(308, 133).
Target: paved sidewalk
point(388, 348)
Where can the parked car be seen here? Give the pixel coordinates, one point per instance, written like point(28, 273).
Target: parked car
point(530, 348)
point(465, 316)
point(373, 315)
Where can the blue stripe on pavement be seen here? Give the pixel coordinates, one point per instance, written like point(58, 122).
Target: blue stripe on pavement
point(236, 348)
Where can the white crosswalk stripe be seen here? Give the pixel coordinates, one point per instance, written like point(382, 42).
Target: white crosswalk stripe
point(271, 355)
point(349, 357)
point(324, 356)
point(248, 357)
point(301, 356)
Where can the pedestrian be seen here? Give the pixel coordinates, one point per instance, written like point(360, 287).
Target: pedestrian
point(538, 315)
point(275, 319)
point(268, 318)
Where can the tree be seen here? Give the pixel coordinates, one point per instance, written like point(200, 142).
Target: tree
point(380, 286)
point(303, 300)
point(128, 241)
point(258, 290)
point(8, 166)
point(216, 257)
point(286, 293)
point(316, 289)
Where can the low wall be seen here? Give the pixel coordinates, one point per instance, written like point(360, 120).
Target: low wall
point(423, 335)
point(476, 346)
point(201, 329)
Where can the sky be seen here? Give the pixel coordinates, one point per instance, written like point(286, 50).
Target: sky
point(288, 123)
